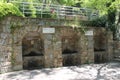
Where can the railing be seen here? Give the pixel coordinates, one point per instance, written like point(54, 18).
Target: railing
point(56, 11)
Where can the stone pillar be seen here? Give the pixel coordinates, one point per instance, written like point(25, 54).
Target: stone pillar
point(83, 49)
point(5, 64)
point(116, 49)
point(87, 47)
point(5, 53)
point(52, 49)
point(109, 45)
point(57, 51)
point(18, 63)
point(16, 52)
point(49, 50)
point(79, 49)
point(90, 47)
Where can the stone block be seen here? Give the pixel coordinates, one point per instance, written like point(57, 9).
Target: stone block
point(91, 45)
point(5, 67)
point(2, 41)
point(4, 35)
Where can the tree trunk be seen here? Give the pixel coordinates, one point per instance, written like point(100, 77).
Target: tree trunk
point(117, 26)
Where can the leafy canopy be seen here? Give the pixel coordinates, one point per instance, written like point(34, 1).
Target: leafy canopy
point(102, 5)
point(9, 9)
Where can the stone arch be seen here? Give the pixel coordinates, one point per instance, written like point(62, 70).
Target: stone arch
point(18, 36)
point(33, 50)
point(100, 45)
point(29, 40)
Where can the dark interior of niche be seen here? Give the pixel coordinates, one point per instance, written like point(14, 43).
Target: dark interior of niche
point(67, 51)
point(100, 59)
point(69, 61)
point(33, 64)
point(32, 53)
point(99, 49)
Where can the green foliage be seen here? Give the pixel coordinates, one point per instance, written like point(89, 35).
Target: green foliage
point(9, 9)
point(29, 8)
point(111, 16)
point(99, 22)
point(105, 7)
point(101, 5)
point(68, 2)
point(13, 59)
point(32, 11)
point(44, 14)
point(3, 1)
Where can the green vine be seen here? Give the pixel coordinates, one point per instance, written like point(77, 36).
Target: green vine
point(15, 26)
point(12, 28)
point(13, 59)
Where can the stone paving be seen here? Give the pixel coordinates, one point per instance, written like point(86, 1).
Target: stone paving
point(107, 71)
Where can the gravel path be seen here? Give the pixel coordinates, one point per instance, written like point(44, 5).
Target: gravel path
point(108, 71)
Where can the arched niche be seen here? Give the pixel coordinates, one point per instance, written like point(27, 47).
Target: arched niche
point(69, 41)
point(33, 51)
point(100, 45)
point(70, 46)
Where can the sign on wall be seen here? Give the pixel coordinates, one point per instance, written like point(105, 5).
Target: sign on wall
point(89, 33)
point(48, 30)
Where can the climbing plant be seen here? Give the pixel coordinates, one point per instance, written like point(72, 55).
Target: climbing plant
point(12, 29)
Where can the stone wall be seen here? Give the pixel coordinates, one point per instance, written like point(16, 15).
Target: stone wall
point(100, 45)
point(70, 47)
point(110, 52)
point(12, 43)
point(33, 51)
point(90, 46)
point(116, 49)
point(103, 45)
point(5, 45)
point(87, 47)
point(55, 41)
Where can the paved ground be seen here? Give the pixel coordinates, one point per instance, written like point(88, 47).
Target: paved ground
point(108, 71)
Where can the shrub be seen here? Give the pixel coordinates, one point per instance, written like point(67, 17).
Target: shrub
point(99, 22)
point(9, 9)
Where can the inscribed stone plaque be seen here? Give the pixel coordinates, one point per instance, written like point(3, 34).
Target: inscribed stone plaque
point(48, 30)
point(89, 33)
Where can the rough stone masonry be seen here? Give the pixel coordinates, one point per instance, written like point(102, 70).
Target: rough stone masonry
point(45, 43)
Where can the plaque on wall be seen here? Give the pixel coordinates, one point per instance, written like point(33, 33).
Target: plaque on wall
point(48, 30)
point(89, 33)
